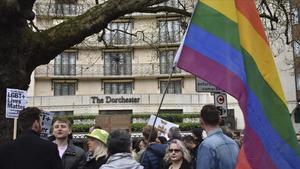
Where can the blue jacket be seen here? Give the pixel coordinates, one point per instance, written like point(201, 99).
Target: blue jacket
point(217, 151)
point(153, 156)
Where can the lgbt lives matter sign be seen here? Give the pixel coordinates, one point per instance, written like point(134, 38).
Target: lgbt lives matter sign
point(15, 101)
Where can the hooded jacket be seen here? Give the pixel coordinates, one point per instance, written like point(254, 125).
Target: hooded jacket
point(121, 161)
point(152, 157)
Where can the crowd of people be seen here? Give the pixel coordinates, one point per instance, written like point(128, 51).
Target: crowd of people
point(117, 150)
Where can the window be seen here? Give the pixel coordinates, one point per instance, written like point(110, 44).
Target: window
point(61, 89)
point(66, 7)
point(65, 64)
point(295, 16)
point(298, 81)
point(166, 62)
point(62, 113)
point(169, 31)
point(117, 33)
point(172, 3)
point(174, 87)
point(117, 63)
point(296, 48)
point(118, 88)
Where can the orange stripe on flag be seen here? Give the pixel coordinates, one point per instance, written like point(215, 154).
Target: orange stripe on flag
point(247, 8)
point(242, 162)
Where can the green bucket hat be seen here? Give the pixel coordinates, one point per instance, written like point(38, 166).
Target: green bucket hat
point(99, 134)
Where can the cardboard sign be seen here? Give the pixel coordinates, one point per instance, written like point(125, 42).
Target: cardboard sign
point(162, 125)
point(46, 120)
point(16, 100)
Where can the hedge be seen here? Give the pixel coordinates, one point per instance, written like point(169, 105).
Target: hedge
point(135, 127)
point(169, 117)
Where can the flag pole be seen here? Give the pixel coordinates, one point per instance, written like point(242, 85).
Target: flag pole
point(161, 102)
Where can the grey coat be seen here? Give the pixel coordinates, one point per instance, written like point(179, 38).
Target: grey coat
point(121, 161)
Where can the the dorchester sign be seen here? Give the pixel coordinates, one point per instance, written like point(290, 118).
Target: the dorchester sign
point(110, 99)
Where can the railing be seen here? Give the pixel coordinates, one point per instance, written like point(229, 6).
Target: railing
point(97, 70)
point(55, 9)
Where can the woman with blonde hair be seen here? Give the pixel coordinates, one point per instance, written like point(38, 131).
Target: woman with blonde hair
point(97, 148)
point(177, 156)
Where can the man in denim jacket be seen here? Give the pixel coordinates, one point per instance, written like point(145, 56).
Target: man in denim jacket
point(217, 151)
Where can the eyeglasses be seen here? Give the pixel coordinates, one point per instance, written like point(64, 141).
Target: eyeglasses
point(175, 150)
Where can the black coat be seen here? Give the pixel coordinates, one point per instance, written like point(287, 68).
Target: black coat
point(93, 164)
point(184, 165)
point(29, 151)
point(74, 157)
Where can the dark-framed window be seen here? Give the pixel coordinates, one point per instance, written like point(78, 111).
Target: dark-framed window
point(66, 7)
point(117, 63)
point(296, 48)
point(295, 16)
point(166, 62)
point(174, 87)
point(173, 3)
point(62, 113)
point(63, 88)
point(65, 64)
point(169, 31)
point(118, 87)
point(298, 81)
point(118, 33)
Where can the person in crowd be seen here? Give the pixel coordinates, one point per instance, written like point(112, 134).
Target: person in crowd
point(96, 143)
point(151, 158)
point(174, 133)
point(217, 151)
point(29, 151)
point(161, 140)
point(119, 146)
point(192, 146)
point(197, 134)
point(139, 148)
point(177, 156)
point(227, 131)
point(73, 157)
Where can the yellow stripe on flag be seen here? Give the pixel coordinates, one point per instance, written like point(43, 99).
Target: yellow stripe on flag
point(225, 7)
point(261, 53)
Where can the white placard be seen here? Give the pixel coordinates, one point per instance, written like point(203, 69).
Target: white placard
point(16, 100)
point(162, 125)
point(46, 120)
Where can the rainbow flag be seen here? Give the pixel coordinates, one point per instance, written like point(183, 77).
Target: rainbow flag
point(225, 45)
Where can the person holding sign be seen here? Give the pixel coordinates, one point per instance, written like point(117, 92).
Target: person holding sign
point(29, 151)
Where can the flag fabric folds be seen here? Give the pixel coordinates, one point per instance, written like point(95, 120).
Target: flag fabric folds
point(226, 45)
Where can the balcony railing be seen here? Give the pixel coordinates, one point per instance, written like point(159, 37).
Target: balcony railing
point(56, 9)
point(98, 70)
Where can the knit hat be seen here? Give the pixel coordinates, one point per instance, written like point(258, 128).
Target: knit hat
point(99, 134)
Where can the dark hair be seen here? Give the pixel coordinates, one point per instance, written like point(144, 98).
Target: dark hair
point(198, 133)
point(227, 131)
point(210, 115)
point(162, 139)
point(137, 144)
point(62, 119)
point(189, 139)
point(27, 117)
point(174, 133)
point(146, 133)
point(118, 141)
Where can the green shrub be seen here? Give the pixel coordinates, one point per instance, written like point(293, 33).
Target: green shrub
point(81, 127)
